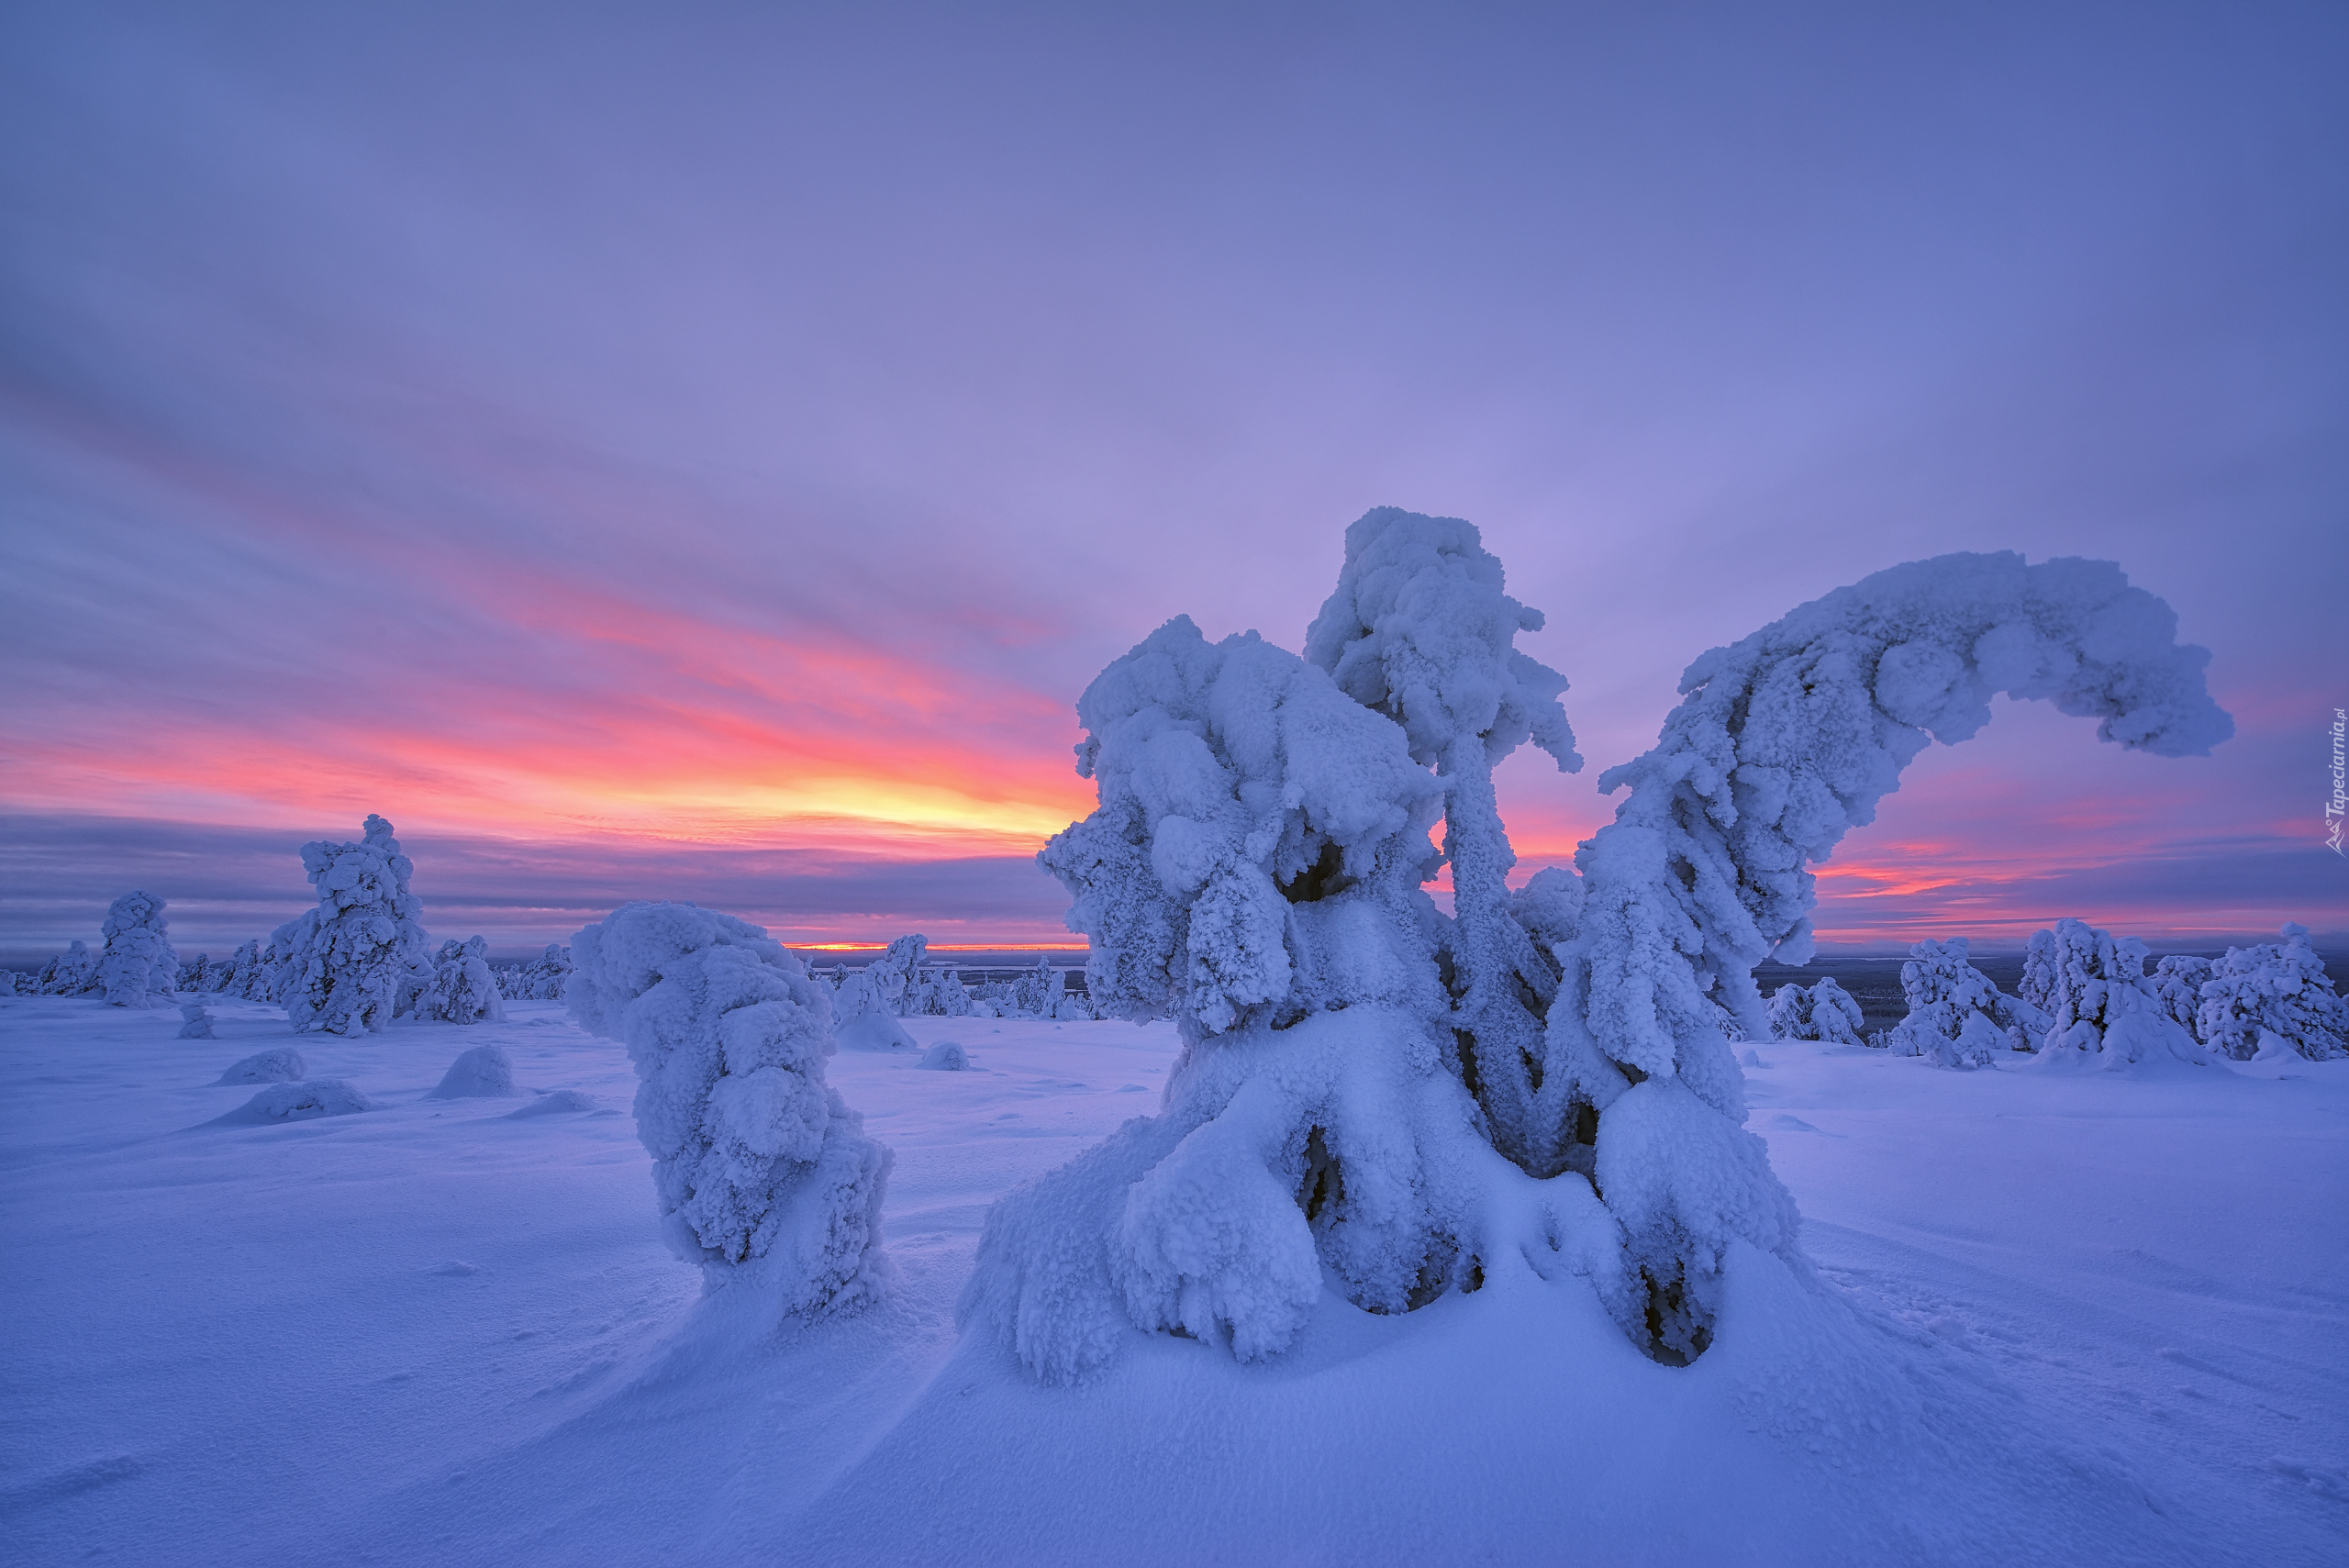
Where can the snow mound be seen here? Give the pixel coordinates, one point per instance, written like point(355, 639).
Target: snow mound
point(555, 1102)
point(946, 1056)
point(300, 1102)
point(873, 1029)
point(282, 1065)
point(763, 1172)
point(483, 1072)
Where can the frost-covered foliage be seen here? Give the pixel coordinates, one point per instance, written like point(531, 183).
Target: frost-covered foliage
point(763, 1173)
point(544, 981)
point(2277, 992)
point(2102, 1011)
point(12, 983)
point(194, 1022)
point(1253, 871)
point(1823, 1011)
point(70, 973)
point(2177, 982)
point(943, 994)
point(1419, 629)
point(463, 991)
point(1783, 742)
point(1957, 1016)
point(342, 965)
point(137, 968)
point(893, 974)
point(251, 973)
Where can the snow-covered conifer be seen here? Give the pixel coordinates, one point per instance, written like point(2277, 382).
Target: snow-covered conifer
point(70, 973)
point(1958, 1016)
point(1823, 1011)
point(1419, 629)
point(764, 1173)
point(2279, 991)
point(2105, 1014)
point(545, 980)
point(894, 975)
point(194, 1022)
point(343, 965)
point(2177, 982)
point(1253, 871)
point(137, 968)
point(463, 991)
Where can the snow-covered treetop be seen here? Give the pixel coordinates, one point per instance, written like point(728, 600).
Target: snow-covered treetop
point(374, 872)
point(1419, 629)
point(1233, 777)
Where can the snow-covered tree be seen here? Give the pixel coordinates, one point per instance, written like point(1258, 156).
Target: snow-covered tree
point(137, 968)
point(2279, 992)
point(1782, 744)
point(1254, 870)
point(70, 973)
point(544, 981)
point(253, 972)
point(1419, 629)
point(894, 975)
point(2178, 984)
point(1958, 1016)
point(343, 965)
point(463, 991)
point(2105, 1014)
point(945, 995)
point(1823, 1011)
point(763, 1173)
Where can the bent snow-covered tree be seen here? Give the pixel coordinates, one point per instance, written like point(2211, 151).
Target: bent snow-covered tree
point(341, 964)
point(763, 1173)
point(137, 968)
point(1254, 869)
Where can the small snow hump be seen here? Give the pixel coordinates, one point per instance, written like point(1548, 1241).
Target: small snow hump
point(555, 1102)
point(283, 1065)
point(946, 1056)
point(871, 1030)
point(300, 1102)
point(483, 1072)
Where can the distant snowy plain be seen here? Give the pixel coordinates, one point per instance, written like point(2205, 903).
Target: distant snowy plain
point(438, 1331)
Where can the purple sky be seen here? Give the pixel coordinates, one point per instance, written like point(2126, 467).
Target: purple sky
point(702, 452)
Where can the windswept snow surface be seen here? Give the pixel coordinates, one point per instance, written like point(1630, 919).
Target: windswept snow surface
point(2091, 1318)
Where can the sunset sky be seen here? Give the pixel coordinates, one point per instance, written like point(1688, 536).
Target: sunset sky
point(702, 452)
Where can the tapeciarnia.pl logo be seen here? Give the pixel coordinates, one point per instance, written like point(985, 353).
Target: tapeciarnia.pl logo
point(2334, 808)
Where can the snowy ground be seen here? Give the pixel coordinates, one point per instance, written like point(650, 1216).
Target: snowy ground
point(434, 1332)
